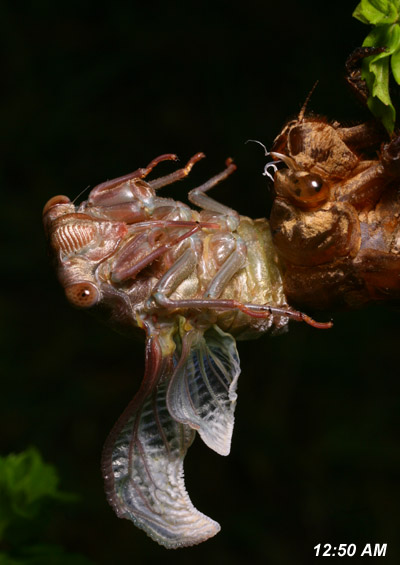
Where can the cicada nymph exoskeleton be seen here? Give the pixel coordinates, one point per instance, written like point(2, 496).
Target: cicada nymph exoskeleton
point(334, 219)
point(191, 282)
point(335, 216)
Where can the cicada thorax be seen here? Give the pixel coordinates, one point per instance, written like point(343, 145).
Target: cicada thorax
point(333, 219)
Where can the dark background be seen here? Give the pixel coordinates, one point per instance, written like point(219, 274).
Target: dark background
point(92, 91)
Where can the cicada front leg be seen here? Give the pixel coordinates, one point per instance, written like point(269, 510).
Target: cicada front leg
point(129, 198)
point(104, 189)
point(141, 252)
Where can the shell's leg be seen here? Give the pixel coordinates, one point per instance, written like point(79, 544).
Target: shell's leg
point(353, 71)
point(199, 197)
point(365, 188)
point(176, 175)
point(362, 136)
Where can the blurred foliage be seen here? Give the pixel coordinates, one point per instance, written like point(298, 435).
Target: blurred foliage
point(28, 488)
point(385, 16)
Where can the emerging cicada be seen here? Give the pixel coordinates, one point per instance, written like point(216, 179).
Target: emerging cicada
point(190, 282)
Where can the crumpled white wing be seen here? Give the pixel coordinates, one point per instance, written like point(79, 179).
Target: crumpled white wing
point(143, 469)
point(202, 392)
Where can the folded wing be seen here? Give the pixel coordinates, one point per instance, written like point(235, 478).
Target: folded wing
point(202, 392)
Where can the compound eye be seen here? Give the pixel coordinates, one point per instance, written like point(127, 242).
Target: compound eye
point(55, 201)
point(308, 191)
point(82, 295)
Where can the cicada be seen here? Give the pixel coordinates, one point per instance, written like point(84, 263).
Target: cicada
point(190, 282)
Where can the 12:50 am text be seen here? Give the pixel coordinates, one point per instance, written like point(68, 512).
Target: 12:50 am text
point(350, 550)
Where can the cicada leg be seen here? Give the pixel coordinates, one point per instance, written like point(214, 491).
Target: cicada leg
point(253, 310)
point(233, 264)
point(199, 197)
point(186, 264)
point(176, 175)
point(180, 270)
point(138, 174)
point(131, 261)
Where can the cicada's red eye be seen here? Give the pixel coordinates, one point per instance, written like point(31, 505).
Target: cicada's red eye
point(61, 199)
point(82, 295)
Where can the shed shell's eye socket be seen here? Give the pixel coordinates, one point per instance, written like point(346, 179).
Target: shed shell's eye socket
point(309, 187)
point(82, 295)
point(305, 190)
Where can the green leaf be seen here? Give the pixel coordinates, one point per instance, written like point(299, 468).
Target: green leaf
point(375, 69)
point(395, 65)
point(377, 12)
point(359, 14)
point(386, 113)
point(383, 36)
point(25, 483)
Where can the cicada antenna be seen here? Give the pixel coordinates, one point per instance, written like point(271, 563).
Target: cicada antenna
point(271, 164)
point(304, 107)
point(80, 194)
point(259, 143)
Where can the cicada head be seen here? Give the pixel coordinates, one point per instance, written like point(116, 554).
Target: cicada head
point(81, 247)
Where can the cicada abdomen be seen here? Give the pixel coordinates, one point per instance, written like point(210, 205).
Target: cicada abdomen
point(190, 282)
